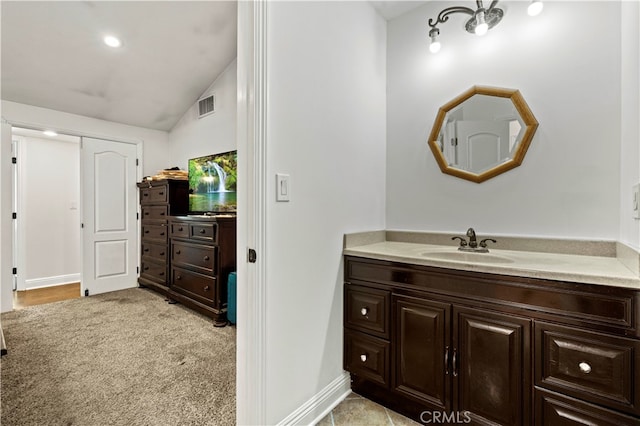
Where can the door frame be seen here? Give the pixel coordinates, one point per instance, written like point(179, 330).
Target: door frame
point(80, 134)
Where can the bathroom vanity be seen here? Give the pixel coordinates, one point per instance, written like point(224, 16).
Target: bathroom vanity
point(494, 338)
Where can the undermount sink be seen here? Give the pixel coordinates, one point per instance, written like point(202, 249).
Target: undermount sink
point(462, 256)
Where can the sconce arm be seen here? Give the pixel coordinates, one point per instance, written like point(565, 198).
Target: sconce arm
point(443, 16)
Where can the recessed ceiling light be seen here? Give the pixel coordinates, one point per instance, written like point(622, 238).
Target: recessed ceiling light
point(112, 41)
point(50, 133)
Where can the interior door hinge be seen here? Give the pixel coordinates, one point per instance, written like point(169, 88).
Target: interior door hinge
point(82, 225)
point(14, 160)
point(15, 271)
point(137, 269)
point(138, 216)
point(252, 256)
point(137, 162)
point(14, 215)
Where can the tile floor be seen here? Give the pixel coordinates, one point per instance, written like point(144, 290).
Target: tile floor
point(358, 411)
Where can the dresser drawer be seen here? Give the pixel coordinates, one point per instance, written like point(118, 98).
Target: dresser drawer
point(203, 231)
point(592, 366)
point(367, 310)
point(154, 271)
point(202, 257)
point(367, 357)
point(155, 251)
point(156, 233)
point(155, 212)
point(154, 194)
point(193, 284)
point(179, 230)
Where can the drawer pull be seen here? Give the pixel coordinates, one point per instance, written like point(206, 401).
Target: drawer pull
point(162, 233)
point(178, 277)
point(202, 231)
point(146, 250)
point(162, 214)
point(584, 367)
point(446, 360)
point(454, 362)
point(206, 258)
point(146, 268)
point(146, 213)
point(178, 251)
point(146, 231)
point(364, 311)
point(161, 193)
point(161, 253)
point(206, 288)
point(146, 194)
point(161, 273)
point(363, 357)
point(180, 229)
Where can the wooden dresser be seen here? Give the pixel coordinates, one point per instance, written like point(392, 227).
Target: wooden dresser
point(186, 258)
point(203, 254)
point(159, 200)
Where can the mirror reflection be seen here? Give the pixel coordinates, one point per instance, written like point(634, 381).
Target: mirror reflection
point(482, 133)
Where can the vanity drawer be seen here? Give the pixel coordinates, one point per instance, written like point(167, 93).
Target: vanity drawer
point(155, 212)
point(193, 284)
point(155, 251)
point(367, 310)
point(156, 233)
point(154, 271)
point(367, 357)
point(554, 409)
point(194, 255)
point(592, 366)
point(154, 194)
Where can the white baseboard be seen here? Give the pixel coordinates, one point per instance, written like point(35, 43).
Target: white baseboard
point(51, 281)
point(316, 408)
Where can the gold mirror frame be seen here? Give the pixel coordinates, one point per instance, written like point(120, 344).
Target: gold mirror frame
point(530, 122)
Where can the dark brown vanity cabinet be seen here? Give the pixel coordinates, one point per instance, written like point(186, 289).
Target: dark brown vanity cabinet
point(159, 199)
point(491, 349)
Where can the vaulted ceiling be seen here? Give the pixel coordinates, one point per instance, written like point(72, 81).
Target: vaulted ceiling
point(53, 56)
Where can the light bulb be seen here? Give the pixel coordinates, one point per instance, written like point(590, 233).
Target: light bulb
point(481, 25)
point(112, 41)
point(434, 47)
point(535, 8)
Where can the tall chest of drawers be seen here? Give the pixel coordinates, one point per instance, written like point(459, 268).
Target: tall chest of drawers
point(159, 199)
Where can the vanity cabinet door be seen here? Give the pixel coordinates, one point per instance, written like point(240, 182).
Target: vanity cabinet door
point(492, 366)
point(422, 347)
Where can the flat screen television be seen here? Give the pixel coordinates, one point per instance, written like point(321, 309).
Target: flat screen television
point(212, 183)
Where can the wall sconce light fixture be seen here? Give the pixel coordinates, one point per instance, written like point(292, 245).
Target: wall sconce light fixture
point(481, 21)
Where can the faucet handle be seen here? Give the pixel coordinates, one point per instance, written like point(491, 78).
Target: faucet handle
point(463, 242)
point(483, 243)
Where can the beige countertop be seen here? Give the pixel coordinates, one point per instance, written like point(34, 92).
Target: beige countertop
point(590, 269)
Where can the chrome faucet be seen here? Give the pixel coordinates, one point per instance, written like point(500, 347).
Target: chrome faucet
point(473, 244)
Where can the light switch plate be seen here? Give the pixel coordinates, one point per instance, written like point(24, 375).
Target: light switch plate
point(635, 203)
point(283, 187)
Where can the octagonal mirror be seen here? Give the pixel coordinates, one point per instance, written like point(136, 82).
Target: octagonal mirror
point(482, 133)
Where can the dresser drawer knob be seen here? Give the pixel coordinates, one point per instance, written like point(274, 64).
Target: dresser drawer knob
point(161, 253)
point(146, 250)
point(180, 229)
point(206, 258)
point(584, 367)
point(161, 273)
point(178, 251)
point(364, 311)
point(146, 231)
point(162, 214)
point(363, 357)
point(202, 231)
point(145, 194)
point(206, 288)
point(161, 193)
point(162, 233)
point(178, 277)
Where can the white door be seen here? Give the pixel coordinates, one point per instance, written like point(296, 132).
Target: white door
point(482, 144)
point(109, 204)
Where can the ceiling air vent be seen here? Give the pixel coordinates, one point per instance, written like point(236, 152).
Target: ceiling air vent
point(206, 106)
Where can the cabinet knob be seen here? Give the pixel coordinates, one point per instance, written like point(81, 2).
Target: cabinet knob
point(162, 214)
point(364, 311)
point(161, 253)
point(162, 233)
point(161, 193)
point(178, 277)
point(180, 229)
point(146, 213)
point(145, 194)
point(202, 231)
point(206, 258)
point(178, 251)
point(146, 268)
point(161, 273)
point(585, 367)
point(146, 231)
point(206, 288)
point(363, 357)
point(146, 250)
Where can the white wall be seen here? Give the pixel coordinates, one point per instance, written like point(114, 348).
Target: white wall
point(49, 218)
point(630, 143)
point(569, 183)
point(155, 142)
point(326, 128)
point(194, 137)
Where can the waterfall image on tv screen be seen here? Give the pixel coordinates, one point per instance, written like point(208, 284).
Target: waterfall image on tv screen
point(212, 183)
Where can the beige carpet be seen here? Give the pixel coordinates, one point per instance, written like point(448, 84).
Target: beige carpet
point(121, 358)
